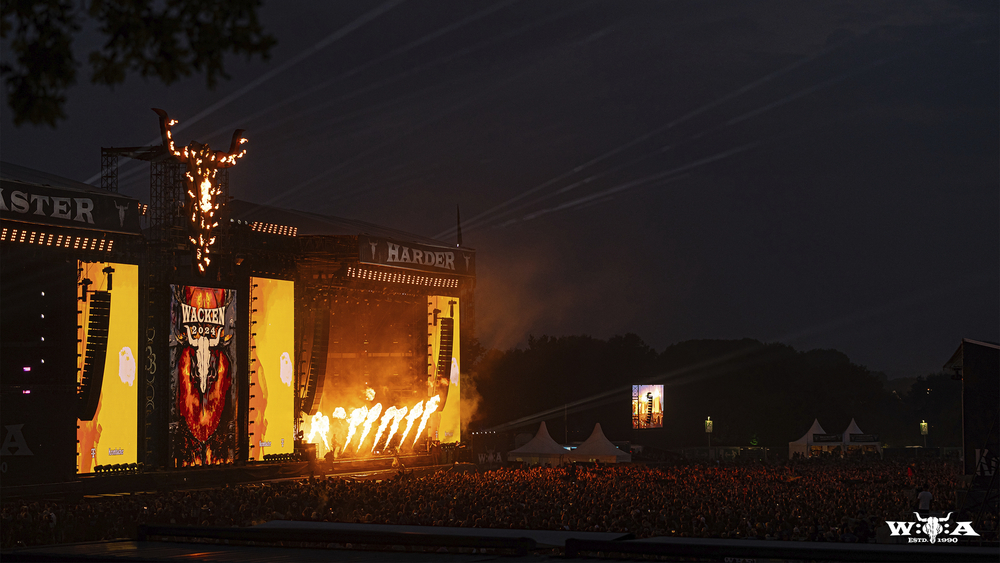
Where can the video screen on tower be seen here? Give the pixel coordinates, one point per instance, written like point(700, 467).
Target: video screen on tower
point(272, 373)
point(444, 366)
point(647, 406)
point(110, 436)
point(203, 371)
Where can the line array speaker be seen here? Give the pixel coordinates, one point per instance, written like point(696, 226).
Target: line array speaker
point(446, 347)
point(319, 349)
point(97, 352)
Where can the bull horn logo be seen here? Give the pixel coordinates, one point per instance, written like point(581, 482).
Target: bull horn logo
point(932, 525)
point(203, 191)
point(121, 214)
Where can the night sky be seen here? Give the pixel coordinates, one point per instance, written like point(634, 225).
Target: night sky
point(819, 174)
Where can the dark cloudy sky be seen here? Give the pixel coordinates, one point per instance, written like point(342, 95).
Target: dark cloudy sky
point(818, 173)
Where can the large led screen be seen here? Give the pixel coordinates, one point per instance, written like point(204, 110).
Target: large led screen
point(647, 406)
point(272, 375)
point(202, 375)
point(444, 366)
point(111, 436)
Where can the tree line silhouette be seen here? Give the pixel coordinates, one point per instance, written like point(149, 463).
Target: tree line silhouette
point(756, 393)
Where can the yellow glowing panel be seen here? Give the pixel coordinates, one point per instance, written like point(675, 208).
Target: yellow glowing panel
point(444, 370)
point(111, 437)
point(647, 406)
point(272, 370)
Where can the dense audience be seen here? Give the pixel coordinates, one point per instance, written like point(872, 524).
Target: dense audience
point(808, 500)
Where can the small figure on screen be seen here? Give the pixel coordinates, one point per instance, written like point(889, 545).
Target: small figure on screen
point(126, 366)
point(286, 371)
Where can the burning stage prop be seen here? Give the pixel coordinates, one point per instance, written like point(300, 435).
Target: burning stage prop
point(202, 190)
point(203, 371)
point(356, 427)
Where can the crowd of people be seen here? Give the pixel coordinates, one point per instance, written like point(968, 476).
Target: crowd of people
point(809, 500)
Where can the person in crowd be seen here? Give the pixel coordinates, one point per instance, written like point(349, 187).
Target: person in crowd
point(924, 498)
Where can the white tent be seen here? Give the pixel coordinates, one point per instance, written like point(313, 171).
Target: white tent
point(599, 448)
point(862, 440)
point(804, 444)
point(540, 450)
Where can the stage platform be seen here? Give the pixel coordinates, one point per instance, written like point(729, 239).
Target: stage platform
point(213, 477)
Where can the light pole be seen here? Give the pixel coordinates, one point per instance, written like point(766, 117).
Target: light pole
point(923, 431)
point(708, 430)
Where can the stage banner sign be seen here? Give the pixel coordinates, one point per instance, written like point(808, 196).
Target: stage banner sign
point(827, 438)
point(203, 365)
point(69, 208)
point(864, 437)
point(413, 256)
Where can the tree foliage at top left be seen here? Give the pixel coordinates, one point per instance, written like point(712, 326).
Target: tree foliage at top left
point(163, 40)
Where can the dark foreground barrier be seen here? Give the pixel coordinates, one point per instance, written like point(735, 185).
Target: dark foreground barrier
point(345, 539)
point(744, 550)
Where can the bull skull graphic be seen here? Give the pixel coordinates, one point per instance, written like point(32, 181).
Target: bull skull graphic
point(121, 214)
point(932, 525)
point(203, 345)
point(203, 339)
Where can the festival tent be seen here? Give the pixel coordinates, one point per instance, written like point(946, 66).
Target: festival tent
point(862, 439)
point(599, 448)
point(804, 444)
point(540, 450)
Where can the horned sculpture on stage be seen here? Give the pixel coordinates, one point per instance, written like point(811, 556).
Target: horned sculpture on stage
point(202, 190)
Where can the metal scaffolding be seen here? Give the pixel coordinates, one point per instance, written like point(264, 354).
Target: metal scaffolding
point(109, 169)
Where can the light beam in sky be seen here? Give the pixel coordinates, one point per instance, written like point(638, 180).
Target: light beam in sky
point(486, 215)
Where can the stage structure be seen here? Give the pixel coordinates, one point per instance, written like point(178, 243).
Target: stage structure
point(222, 332)
point(69, 255)
point(378, 325)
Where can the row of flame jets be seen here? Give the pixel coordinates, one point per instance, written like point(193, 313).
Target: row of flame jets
point(365, 418)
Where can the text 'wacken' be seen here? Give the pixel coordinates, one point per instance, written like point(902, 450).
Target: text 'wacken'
point(191, 314)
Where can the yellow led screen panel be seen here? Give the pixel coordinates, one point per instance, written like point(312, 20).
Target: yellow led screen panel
point(111, 437)
point(444, 379)
point(647, 406)
point(272, 373)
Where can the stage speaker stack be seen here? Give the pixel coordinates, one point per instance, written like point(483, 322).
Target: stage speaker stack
point(97, 352)
point(319, 348)
point(446, 346)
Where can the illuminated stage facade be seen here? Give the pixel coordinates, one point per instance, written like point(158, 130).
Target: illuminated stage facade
point(202, 331)
point(378, 325)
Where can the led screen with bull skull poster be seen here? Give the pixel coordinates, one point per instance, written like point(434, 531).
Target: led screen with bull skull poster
point(202, 375)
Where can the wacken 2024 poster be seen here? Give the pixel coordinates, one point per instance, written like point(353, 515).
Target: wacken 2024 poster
point(202, 375)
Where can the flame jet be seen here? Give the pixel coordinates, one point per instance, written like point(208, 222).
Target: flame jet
point(400, 413)
point(357, 417)
point(369, 420)
point(432, 406)
point(390, 414)
point(320, 425)
point(415, 413)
